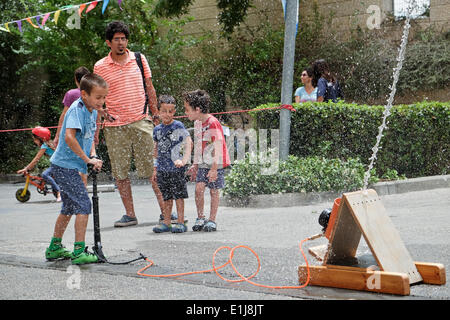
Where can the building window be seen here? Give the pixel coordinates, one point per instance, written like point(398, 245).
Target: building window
point(421, 8)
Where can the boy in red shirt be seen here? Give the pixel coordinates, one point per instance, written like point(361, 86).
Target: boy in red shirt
point(210, 158)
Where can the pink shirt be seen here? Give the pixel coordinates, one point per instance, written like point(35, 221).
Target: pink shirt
point(126, 96)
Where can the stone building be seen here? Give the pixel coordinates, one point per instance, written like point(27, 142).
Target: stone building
point(385, 17)
point(343, 15)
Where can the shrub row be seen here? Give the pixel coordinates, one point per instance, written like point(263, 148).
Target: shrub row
point(311, 174)
point(415, 143)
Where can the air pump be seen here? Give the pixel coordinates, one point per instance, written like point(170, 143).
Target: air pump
point(98, 251)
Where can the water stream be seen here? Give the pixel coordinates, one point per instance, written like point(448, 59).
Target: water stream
point(387, 110)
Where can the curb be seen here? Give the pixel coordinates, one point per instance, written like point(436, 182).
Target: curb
point(286, 199)
point(304, 198)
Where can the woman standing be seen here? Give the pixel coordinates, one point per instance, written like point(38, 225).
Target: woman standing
point(308, 92)
point(327, 85)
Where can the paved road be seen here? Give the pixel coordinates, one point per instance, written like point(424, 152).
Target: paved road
point(422, 219)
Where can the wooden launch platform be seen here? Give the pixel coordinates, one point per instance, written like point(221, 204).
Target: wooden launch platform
point(362, 213)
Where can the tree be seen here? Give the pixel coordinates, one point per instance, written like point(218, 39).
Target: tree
point(40, 62)
point(232, 12)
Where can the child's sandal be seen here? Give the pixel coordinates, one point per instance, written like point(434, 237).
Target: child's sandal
point(179, 228)
point(210, 226)
point(160, 228)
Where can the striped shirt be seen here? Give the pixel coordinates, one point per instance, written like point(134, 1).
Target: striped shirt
point(126, 96)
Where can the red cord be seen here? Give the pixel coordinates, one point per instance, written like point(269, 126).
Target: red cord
point(283, 106)
point(230, 262)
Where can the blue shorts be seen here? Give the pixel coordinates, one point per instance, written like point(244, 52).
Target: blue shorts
point(202, 177)
point(74, 196)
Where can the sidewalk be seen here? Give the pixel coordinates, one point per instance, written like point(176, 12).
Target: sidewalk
point(299, 199)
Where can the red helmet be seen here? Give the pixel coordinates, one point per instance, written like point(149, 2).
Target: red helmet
point(42, 132)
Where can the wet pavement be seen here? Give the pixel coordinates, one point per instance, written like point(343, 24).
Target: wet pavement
point(421, 217)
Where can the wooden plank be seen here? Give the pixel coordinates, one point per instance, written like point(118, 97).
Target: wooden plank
point(331, 266)
point(318, 252)
point(432, 273)
point(344, 238)
point(380, 233)
point(363, 280)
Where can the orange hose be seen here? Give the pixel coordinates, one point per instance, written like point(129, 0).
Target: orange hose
point(230, 261)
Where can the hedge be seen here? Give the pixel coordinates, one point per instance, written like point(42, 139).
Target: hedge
point(416, 142)
point(311, 174)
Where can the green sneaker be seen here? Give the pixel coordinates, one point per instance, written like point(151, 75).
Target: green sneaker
point(59, 253)
point(84, 258)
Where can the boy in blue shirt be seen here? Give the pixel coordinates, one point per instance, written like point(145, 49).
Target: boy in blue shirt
point(170, 138)
point(76, 144)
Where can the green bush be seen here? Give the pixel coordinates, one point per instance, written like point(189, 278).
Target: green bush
point(416, 142)
point(310, 174)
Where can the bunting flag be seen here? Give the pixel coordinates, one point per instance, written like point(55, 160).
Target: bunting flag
point(38, 18)
point(7, 27)
point(80, 10)
point(105, 4)
point(41, 19)
point(19, 24)
point(56, 16)
point(31, 22)
point(46, 16)
point(91, 6)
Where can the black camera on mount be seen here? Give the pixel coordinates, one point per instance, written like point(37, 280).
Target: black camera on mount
point(324, 218)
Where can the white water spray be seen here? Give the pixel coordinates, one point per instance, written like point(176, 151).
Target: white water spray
point(387, 109)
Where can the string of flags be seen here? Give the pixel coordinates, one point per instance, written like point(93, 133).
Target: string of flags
point(39, 21)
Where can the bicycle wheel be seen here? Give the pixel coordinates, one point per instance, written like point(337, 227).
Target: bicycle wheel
point(24, 198)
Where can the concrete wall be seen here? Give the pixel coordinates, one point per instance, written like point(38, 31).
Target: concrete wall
point(347, 15)
point(205, 14)
point(440, 13)
point(343, 15)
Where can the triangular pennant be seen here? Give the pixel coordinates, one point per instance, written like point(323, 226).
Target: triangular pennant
point(46, 16)
point(7, 27)
point(19, 24)
point(91, 6)
point(38, 18)
point(105, 4)
point(31, 22)
point(120, 4)
point(56, 16)
point(81, 8)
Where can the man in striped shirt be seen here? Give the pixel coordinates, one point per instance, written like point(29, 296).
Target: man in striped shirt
point(131, 131)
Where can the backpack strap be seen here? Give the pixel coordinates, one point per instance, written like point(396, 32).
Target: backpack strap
point(141, 67)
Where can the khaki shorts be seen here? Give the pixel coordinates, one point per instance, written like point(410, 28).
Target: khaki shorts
point(132, 139)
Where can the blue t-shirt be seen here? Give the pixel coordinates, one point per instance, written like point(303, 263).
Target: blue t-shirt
point(48, 151)
point(170, 142)
point(328, 90)
point(304, 96)
point(77, 117)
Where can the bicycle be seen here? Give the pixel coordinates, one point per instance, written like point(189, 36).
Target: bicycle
point(23, 194)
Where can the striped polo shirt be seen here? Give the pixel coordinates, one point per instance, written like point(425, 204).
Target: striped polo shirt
point(126, 97)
